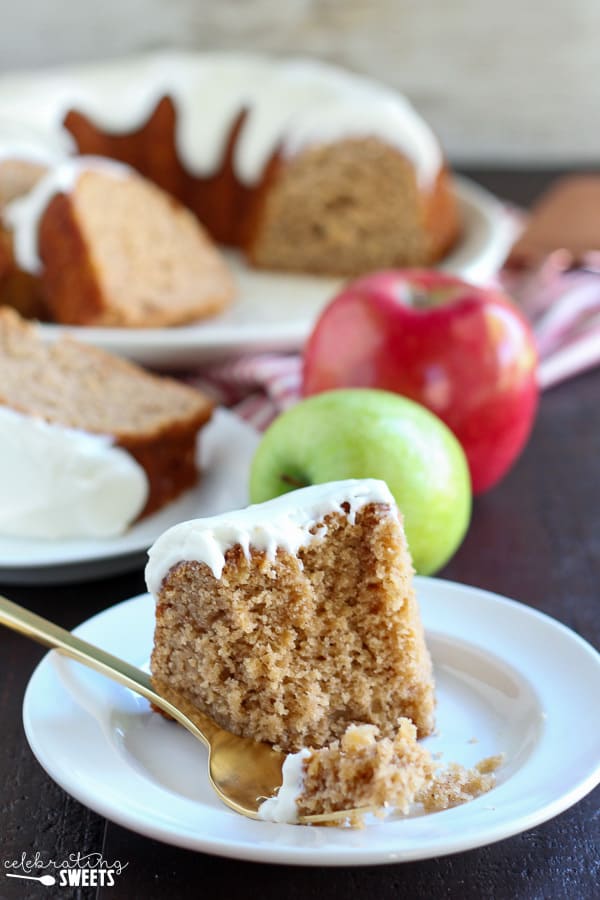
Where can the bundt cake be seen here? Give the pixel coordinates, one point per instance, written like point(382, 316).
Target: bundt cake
point(90, 442)
point(302, 165)
point(112, 249)
point(292, 619)
point(24, 159)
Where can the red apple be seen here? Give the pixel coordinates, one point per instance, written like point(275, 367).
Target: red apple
point(464, 352)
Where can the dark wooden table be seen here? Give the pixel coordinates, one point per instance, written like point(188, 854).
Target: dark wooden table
point(536, 538)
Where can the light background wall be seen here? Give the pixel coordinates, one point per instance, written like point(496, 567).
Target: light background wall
point(508, 81)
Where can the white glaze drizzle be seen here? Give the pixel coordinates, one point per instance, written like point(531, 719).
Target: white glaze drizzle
point(23, 215)
point(23, 151)
point(291, 104)
point(27, 143)
point(285, 522)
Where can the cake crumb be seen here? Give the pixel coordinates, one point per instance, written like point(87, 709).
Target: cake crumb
point(456, 784)
point(364, 772)
point(490, 763)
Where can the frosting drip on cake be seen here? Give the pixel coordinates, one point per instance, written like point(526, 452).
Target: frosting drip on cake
point(58, 482)
point(22, 142)
point(26, 152)
point(287, 522)
point(290, 105)
point(24, 214)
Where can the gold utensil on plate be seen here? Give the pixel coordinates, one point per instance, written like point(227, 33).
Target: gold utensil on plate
point(243, 772)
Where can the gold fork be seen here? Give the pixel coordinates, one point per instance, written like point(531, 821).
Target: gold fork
point(243, 772)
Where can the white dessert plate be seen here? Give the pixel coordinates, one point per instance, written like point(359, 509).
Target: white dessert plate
point(226, 448)
point(277, 311)
point(509, 679)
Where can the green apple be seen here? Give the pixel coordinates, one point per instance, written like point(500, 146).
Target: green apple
point(364, 433)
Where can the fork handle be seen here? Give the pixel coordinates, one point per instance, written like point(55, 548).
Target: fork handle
point(45, 632)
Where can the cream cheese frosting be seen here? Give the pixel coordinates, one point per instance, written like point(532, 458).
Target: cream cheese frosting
point(58, 482)
point(283, 807)
point(291, 104)
point(287, 522)
point(23, 215)
point(28, 152)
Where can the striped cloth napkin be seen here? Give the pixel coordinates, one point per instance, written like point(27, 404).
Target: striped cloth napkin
point(562, 304)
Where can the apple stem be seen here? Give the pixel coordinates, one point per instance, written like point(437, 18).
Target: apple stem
point(294, 482)
point(420, 299)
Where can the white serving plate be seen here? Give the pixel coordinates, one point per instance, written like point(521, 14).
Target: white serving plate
point(498, 683)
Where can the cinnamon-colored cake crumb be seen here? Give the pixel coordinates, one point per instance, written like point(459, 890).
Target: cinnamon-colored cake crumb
point(121, 252)
point(155, 419)
point(291, 649)
point(455, 784)
point(349, 208)
point(362, 771)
